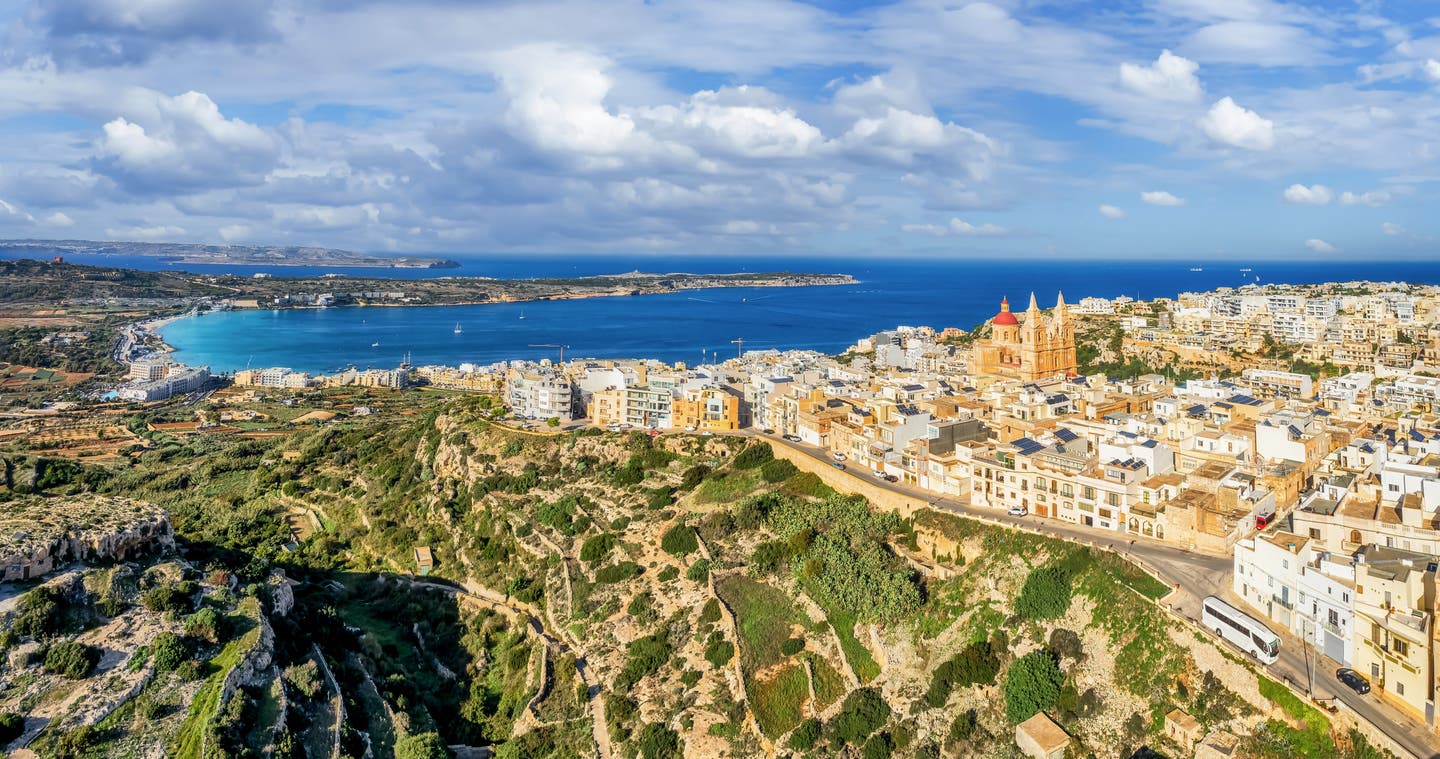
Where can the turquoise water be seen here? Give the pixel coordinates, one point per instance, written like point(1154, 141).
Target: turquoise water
point(679, 326)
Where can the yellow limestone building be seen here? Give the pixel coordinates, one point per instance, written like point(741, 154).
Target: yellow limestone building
point(1038, 348)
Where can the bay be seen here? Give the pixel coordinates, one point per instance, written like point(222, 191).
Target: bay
point(698, 325)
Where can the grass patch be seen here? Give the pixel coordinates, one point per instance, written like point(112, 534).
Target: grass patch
point(1287, 700)
point(726, 487)
point(778, 699)
point(186, 744)
point(764, 616)
point(855, 652)
point(828, 683)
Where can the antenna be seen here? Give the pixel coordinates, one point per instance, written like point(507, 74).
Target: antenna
point(739, 346)
point(552, 345)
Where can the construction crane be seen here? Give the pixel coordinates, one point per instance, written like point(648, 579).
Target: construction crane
point(552, 345)
point(739, 346)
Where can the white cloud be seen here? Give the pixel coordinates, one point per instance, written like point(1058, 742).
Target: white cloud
point(1161, 198)
point(904, 137)
point(58, 219)
point(182, 142)
point(1432, 69)
point(11, 215)
point(1320, 246)
point(1314, 195)
point(1392, 229)
point(1254, 43)
point(1112, 212)
point(742, 121)
point(1230, 124)
point(1373, 199)
point(233, 232)
point(1171, 77)
point(145, 234)
point(956, 227)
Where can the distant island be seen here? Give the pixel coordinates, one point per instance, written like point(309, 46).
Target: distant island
point(234, 255)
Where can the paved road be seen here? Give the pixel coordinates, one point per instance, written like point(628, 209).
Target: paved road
point(1194, 575)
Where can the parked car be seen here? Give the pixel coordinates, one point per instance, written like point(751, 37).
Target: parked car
point(768, 431)
point(1353, 679)
point(689, 428)
point(793, 438)
point(838, 465)
point(838, 456)
point(1018, 511)
point(891, 478)
point(879, 475)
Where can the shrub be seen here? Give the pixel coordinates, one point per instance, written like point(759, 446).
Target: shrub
point(630, 474)
point(679, 540)
point(304, 678)
point(699, 571)
point(71, 659)
point(659, 498)
point(976, 664)
point(668, 573)
point(421, 746)
point(1046, 594)
point(809, 484)
point(863, 712)
point(878, 747)
point(1032, 685)
point(777, 470)
point(617, 572)
point(719, 651)
point(710, 612)
point(203, 625)
point(755, 455)
point(694, 476)
point(647, 654)
point(804, 736)
point(659, 742)
point(769, 556)
point(11, 726)
point(168, 652)
point(178, 598)
point(597, 547)
point(792, 646)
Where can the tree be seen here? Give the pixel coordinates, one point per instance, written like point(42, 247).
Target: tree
point(553, 421)
point(804, 736)
point(168, 652)
point(203, 625)
point(863, 712)
point(71, 659)
point(659, 742)
point(679, 540)
point(1033, 685)
point(755, 455)
point(597, 547)
point(777, 470)
point(421, 746)
point(1046, 594)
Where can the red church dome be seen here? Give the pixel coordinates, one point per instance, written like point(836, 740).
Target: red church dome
point(1005, 318)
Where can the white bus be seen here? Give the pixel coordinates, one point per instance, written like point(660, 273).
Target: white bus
point(1241, 629)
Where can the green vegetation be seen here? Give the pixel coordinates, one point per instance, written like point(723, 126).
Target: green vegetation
point(803, 738)
point(11, 727)
point(71, 659)
point(647, 655)
point(777, 470)
point(1046, 594)
point(679, 540)
point(1031, 685)
point(421, 746)
point(758, 454)
point(659, 742)
point(977, 664)
point(863, 712)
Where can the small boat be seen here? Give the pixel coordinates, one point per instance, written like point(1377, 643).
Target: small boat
point(374, 345)
point(522, 314)
point(1196, 268)
point(1246, 270)
point(457, 328)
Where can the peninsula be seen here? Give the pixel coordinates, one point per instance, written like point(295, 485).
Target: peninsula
point(231, 255)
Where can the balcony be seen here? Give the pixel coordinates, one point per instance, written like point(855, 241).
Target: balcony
point(1282, 602)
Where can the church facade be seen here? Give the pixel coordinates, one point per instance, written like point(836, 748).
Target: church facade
point(1040, 347)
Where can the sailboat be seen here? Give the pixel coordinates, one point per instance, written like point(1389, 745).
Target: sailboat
point(457, 328)
point(522, 313)
point(375, 345)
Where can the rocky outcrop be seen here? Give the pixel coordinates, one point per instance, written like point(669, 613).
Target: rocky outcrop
point(38, 535)
point(282, 595)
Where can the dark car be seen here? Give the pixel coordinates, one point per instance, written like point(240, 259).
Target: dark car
point(1353, 679)
point(891, 478)
point(768, 432)
point(838, 465)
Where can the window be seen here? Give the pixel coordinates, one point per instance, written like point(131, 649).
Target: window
point(1087, 493)
point(1400, 647)
point(1067, 491)
point(1399, 689)
point(1375, 634)
point(1315, 533)
point(1113, 499)
point(1334, 618)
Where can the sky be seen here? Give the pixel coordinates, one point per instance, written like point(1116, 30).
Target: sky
point(1186, 129)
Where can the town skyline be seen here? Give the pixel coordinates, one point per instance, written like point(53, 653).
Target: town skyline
point(1164, 129)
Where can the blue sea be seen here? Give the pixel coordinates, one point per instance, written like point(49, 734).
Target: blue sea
point(698, 325)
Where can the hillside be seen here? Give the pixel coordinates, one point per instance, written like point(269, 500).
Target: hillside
point(584, 593)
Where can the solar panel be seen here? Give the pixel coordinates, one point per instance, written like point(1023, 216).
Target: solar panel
point(1065, 434)
point(1295, 431)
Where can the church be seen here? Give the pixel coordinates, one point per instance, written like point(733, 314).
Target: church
point(1038, 348)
